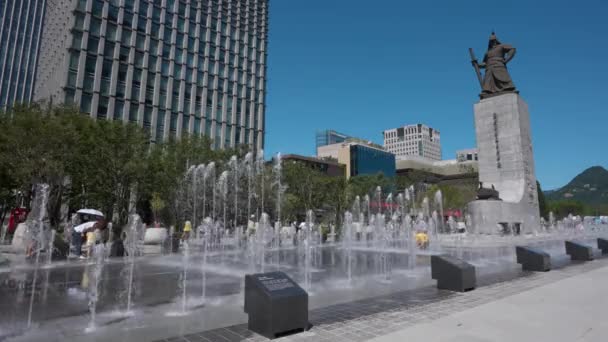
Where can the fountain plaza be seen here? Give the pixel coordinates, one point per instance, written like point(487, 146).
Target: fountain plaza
point(153, 296)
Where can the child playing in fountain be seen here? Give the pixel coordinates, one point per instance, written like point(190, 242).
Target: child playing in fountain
point(422, 239)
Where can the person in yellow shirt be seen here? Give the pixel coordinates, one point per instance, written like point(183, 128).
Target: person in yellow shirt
point(422, 240)
point(187, 231)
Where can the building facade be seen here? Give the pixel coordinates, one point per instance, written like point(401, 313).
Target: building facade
point(360, 158)
point(471, 154)
point(413, 140)
point(325, 166)
point(20, 32)
point(174, 67)
point(329, 136)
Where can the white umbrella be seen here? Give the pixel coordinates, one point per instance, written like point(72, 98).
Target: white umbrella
point(81, 227)
point(94, 212)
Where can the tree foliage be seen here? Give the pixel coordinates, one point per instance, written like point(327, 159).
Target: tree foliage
point(565, 207)
point(108, 165)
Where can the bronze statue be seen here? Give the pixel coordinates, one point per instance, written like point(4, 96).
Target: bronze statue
point(496, 79)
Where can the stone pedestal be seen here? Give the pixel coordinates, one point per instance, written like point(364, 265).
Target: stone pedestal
point(532, 259)
point(453, 274)
point(602, 244)
point(502, 127)
point(578, 251)
point(275, 304)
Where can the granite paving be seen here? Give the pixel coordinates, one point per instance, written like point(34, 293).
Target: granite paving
point(367, 319)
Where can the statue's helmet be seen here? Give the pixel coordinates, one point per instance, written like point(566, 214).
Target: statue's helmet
point(493, 40)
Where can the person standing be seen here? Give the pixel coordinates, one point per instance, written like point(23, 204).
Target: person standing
point(187, 231)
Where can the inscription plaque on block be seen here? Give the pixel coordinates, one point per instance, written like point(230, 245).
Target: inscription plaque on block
point(603, 245)
point(275, 304)
point(578, 251)
point(453, 274)
point(532, 259)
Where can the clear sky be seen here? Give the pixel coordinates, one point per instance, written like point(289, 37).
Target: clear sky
point(361, 66)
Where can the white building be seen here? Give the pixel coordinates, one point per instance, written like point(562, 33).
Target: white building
point(467, 155)
point(413, 140)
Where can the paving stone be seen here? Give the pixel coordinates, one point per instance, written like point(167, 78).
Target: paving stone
point(365, 319)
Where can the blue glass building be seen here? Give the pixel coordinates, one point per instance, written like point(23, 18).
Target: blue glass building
point(366, 160)
point(329, 136)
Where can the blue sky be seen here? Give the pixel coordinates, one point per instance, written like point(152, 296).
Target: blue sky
point(361, 66)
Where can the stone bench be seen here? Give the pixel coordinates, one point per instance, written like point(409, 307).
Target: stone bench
point(532, 259)
point(453, 274)
point(603, 245)
point(578, 251)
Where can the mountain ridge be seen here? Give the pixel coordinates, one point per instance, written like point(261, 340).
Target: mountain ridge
point(589, 187)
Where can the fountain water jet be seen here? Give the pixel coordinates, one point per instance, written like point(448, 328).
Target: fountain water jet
point(95, 272)
point(131, 245)
point(36, 237)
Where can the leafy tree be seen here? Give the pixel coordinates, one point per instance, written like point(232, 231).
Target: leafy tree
point(362, 185)
point(565, 207)
point(157, 205)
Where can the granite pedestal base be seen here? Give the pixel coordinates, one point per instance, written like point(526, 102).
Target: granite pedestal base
point(578, 251)
point(453, 274)
point(276, 305)
point(532, 259)
point(506, 163)
point(602, 244)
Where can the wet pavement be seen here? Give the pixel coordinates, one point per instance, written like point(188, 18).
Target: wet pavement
point(377, 318)
point(60, 309)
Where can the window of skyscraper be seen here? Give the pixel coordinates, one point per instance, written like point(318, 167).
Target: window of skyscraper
point(82, 5)
point(133, 112)
point(113, 13)
point(140, 43)
point(129, 4)
point(85, 103)
point(127, 19)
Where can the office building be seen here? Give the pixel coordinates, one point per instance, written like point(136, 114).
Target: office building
point(174, 67)
point(329, 137)
point(360, 158)
point(467, 155)
point(20, 31)
point(325, 166)
point(413, 140)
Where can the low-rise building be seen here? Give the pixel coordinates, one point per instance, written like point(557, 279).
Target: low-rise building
point(360, 158)
point(329, 136)
point(471, 154)
point(327, 166)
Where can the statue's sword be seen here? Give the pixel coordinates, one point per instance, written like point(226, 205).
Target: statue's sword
point(476, 66)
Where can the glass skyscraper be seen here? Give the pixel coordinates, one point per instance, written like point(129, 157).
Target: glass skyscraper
point(20, 28)
point(174, 67)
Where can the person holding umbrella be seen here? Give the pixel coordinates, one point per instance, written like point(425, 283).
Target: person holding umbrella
point(88, 219)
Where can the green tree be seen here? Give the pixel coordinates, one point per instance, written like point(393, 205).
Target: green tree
point(542, 202)
point(565, 207)
point(362, 185)
point(304, 189)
